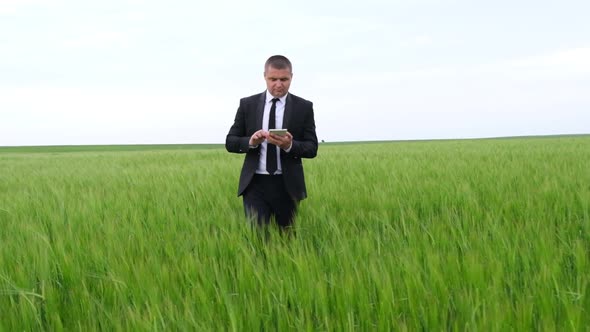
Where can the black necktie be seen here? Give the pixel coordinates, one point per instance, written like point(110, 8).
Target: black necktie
point(271, 149)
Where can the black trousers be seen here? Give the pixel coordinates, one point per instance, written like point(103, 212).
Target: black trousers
point(266, 197)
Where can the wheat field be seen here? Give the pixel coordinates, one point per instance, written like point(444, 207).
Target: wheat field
point(490, 234)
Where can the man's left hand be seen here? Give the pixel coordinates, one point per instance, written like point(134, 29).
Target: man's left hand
point(284, 142)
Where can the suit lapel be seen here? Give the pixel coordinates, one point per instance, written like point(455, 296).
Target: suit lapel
point(260, 110)
point(288, 112)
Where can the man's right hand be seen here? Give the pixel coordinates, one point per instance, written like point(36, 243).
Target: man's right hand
point(258, 137)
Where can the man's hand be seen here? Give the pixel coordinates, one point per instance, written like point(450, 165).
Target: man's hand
point(284, 142)
point(258, 137)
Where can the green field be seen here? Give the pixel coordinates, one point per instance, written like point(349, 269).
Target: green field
point(437, 235)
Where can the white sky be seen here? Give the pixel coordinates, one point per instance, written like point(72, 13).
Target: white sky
point(143, 72)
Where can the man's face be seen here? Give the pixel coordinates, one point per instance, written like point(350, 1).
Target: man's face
point(278, 81)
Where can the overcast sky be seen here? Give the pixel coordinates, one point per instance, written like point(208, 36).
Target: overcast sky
point(143, 72)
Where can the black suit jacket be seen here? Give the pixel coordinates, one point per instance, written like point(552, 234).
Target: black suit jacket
point(298, 119)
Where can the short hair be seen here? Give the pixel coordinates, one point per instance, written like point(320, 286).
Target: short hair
point(278, 62)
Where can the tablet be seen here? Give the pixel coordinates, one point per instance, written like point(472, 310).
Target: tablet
point(278, 132)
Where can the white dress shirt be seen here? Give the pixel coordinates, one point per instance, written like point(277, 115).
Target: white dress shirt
point(279, 113)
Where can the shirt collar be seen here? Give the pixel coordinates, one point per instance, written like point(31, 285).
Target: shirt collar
point(269, 97)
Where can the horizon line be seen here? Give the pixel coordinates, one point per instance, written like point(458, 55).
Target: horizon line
point(319, 141)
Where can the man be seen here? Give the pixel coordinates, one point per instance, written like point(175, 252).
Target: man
point(272, 181)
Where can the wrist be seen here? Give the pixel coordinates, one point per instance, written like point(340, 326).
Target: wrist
point(288, 147)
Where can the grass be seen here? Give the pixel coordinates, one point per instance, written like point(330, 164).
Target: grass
point(106, 148)
point(461, 235)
